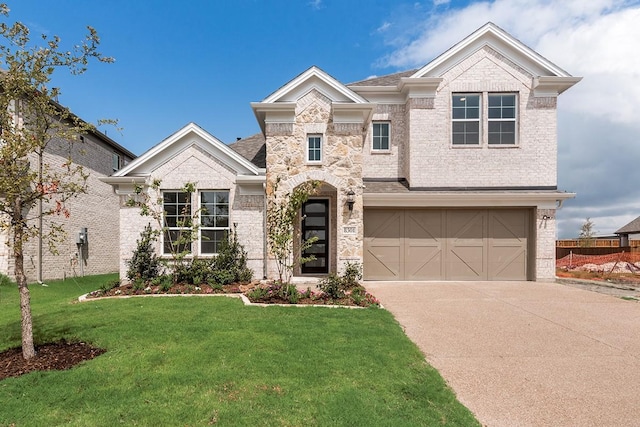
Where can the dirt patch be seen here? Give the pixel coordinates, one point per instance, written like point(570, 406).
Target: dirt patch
point(57, 356)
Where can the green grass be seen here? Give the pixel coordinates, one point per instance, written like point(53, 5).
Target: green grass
point(195, 361)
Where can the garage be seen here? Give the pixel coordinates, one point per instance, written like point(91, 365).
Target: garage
point(447, 244)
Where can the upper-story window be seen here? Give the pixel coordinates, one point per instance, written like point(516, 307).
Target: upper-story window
point(466, 119)
point(116, 161)
point(314, 148)
point(381, 136)
point(502, 119)
point(214, 220)
point(177, 220)
point(469, 126)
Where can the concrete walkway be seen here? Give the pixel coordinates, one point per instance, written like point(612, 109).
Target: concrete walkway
point(526, 353)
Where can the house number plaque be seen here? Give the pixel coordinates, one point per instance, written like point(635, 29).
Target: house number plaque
point(350, 229)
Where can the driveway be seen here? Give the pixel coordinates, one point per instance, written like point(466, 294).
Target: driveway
point(526, 353)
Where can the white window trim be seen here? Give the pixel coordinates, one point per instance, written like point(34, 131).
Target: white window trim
point(515, 120)
point(164, 254)
point(484, 122)
point(201, 227)
point(306, 154)
point(380, 150)
point(116, 158)
point(479, 120)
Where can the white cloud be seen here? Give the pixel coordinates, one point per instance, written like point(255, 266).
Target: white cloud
point(316, 4)
point(599, 132)
point(384, 27)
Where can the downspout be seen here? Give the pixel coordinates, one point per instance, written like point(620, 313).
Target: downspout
point(264, 236)
point(39, 265)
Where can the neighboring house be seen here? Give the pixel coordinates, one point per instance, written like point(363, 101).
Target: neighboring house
point(447, 172)
point(96, 211)
point(631, 229)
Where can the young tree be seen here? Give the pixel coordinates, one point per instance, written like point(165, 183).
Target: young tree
point(587, 233)
point(177, 241)
point(30, 120)
point(282, 212)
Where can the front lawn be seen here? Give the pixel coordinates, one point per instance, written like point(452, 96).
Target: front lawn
point(195, 361)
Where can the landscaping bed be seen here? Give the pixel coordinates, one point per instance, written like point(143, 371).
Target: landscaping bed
point(256, 292)
point(57, 356)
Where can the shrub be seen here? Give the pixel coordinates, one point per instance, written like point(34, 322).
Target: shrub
point(144, 264)
point(231, 258)
point(106, 287)
point(258, 294)
point(336, 286)
point(352, 275)
point(333, 286)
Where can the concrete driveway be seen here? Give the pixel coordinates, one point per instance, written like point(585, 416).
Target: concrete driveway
point(526, 353)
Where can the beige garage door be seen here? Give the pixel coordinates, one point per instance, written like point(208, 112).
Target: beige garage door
point(446, 244)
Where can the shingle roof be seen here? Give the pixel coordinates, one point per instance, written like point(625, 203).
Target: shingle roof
point(252, 148)
point(385, 185)
point(632, 228)
point(388, 80)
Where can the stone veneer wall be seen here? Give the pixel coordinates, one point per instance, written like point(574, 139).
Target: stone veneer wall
point(341, 168)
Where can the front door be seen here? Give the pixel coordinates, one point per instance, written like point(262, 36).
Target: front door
point(315, 223)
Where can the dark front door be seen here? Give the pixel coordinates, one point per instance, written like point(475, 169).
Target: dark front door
point(315, 223)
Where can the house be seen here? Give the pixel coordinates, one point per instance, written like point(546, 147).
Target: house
point(447, 172)
point(633, 228)
point(96, 211)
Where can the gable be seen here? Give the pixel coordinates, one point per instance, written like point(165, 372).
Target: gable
point(195, 165)
point(189, 136)
point(490, 35)
point(546, 78)
point(487, 70)
point(280, 107)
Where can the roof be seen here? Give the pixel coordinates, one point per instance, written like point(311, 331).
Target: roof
point(388, 80)
point(549, 79)
point(252, 148)
point(97, 133)
point(188, 136)
point(632, 228)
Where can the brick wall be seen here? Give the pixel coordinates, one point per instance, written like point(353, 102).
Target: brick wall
point(386, 164)
point(434, 162)
point(208, 173)
point(96, 210)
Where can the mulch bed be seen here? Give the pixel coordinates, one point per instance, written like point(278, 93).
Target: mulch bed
point(179, 289)
point(59, 356)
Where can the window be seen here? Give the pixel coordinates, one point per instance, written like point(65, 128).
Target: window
point(115, 161)
point(381, 136)
point(502, 119)
point(314, 148)
point(177, 220)
point(466, 119)
point(469, 127)
point(214, 220)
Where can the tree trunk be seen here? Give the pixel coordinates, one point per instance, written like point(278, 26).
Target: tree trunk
point(28, 350)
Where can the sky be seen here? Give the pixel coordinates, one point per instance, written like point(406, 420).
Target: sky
point(205, 61)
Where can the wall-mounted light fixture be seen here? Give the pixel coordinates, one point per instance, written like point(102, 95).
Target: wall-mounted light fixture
point(545, 217)
point(350, 199)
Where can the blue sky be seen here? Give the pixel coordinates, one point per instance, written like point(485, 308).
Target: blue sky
point(205, 61)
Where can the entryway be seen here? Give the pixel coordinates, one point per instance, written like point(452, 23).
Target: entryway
point(315, 223)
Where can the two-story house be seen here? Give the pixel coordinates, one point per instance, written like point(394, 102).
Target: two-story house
point(447, 172)
point(96, 211)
